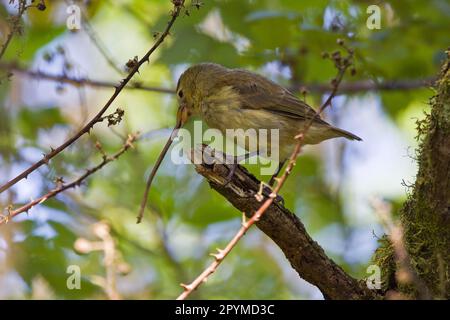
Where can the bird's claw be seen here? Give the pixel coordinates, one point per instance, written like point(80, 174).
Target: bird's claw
point(230, 175)
point(279, 199)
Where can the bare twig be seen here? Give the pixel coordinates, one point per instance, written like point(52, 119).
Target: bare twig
point(344, 88)
point(79, 81)
point(99, 44)
point(15, 25)
point(63, 187)
point(342, 64)
point(87, 128)
point(368, 85)
point(153, 173)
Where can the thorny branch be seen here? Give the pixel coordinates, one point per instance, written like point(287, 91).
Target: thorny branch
point(63, 187)
point(178, 5)
point(342, 64)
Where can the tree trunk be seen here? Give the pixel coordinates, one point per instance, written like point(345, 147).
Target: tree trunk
point(425, 216)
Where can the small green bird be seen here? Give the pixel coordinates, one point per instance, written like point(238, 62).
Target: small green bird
point(239, 99)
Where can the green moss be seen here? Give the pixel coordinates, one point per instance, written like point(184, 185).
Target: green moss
point(427, 237)
point(384, 259)
point(425, 215)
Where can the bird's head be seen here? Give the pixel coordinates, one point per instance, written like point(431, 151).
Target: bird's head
point(193, 86)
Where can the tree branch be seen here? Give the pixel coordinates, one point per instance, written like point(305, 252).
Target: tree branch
point(63, 187)
point(178, 5)
point(287, 231)
point(79, 81)
point(320, 88)
point(367, 85)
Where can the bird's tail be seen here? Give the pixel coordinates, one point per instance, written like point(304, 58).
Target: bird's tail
point(342, 133)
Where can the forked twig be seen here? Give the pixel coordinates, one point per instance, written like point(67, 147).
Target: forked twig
point(63, 187)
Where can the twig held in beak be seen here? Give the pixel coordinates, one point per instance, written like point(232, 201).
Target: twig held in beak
point(181, 119)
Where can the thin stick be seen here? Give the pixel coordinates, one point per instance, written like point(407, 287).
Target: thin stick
point(178, 5)
point(368, 85)
point(220, 256)
point(154, 170)
point(99, 44)
point(80, 81)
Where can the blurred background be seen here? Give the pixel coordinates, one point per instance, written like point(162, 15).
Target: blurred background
point(331, 189)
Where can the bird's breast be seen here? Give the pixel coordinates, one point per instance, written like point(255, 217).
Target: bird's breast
point(250, 129)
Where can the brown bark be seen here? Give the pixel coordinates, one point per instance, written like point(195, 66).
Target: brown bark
point(287, 231)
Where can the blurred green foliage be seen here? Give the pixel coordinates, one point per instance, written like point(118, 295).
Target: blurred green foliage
point(187, 220)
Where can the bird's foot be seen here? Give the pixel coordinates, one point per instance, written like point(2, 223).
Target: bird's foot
point(233, 162)
point(230, 175)
point(279, 199)
point(272, 180)
point(276, 173)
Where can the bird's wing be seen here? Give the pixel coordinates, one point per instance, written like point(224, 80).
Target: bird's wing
point(257, 92)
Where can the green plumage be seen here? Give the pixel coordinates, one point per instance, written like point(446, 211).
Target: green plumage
point(239, 99)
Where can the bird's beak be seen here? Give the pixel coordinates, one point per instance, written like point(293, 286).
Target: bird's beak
point(182, 115)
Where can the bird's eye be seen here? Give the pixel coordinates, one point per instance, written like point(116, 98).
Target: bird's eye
point(180, 93)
